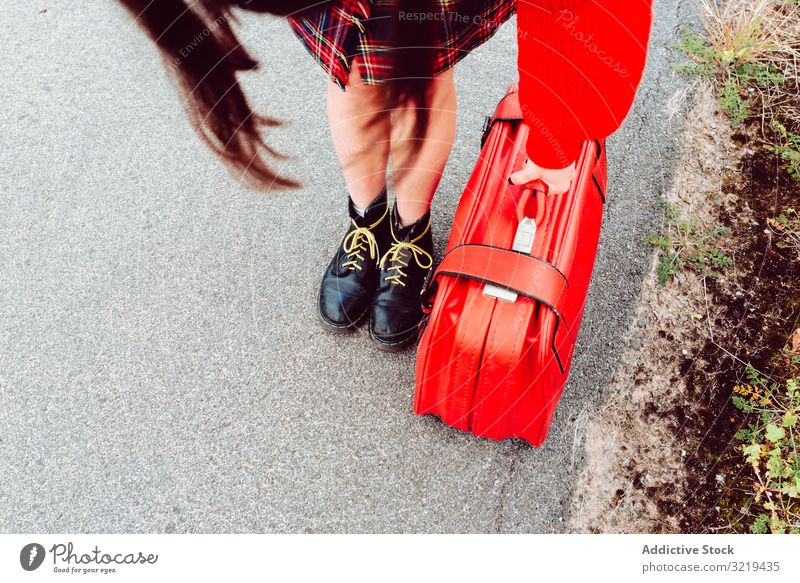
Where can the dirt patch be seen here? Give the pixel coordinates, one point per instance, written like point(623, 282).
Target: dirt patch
point(661, 455)
point(758, 310)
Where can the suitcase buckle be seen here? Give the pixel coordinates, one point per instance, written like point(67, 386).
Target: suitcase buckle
point(523, 243)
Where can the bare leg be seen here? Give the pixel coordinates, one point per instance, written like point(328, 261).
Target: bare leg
point(362, 148)
point(417, 174)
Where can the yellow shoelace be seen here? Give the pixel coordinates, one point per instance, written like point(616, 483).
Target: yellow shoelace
point(394, 252)
point(354, 245)
point(355, 240)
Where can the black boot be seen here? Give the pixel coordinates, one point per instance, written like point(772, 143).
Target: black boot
point(349, 282)
point(396, 309)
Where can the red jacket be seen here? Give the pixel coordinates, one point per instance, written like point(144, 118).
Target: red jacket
point(580, 62)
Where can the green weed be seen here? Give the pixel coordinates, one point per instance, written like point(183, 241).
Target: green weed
point(788, 148)
point(685, 243)
point(770, 447)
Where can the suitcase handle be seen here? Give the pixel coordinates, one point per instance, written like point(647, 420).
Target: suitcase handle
point(530, 214)
point(531, 202)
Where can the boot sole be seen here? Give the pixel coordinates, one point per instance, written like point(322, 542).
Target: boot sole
point(340, 328)
point(392, 346)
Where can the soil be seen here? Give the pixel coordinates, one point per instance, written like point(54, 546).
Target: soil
point(660, 453)
point(758, 310)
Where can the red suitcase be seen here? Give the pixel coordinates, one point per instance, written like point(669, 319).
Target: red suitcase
point(503, 308)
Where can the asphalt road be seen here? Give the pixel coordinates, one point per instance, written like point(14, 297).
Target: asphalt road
point(161, 366)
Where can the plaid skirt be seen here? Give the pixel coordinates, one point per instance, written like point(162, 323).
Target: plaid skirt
point(341, 30)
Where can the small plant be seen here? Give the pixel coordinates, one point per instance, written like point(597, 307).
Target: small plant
point(787, 226)
point(788, 148)
point(686, 243)
point(770, 446)
point(732, 103)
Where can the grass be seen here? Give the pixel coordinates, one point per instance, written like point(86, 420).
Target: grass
point(734, 67)
point(750, 51)
point(686, 243)
point(770, 445)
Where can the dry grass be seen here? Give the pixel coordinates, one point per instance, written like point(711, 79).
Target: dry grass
point(751, 51)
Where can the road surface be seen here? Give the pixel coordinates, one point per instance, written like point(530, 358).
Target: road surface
point(161, 366)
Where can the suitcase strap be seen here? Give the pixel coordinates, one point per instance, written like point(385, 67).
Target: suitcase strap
point(517, 272)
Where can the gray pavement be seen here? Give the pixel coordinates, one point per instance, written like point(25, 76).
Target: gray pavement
point(161, 367)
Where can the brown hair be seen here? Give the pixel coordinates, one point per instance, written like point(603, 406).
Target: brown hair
point(207, 74)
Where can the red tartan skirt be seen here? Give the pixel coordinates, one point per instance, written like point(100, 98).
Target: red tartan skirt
point(342, 30)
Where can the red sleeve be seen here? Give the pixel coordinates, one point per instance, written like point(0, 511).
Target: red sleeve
point(580, 62)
